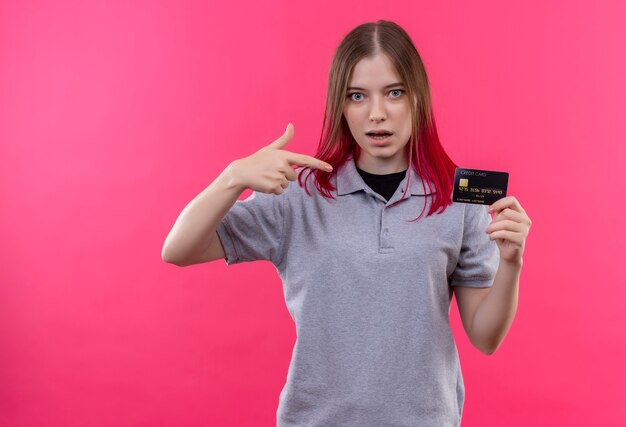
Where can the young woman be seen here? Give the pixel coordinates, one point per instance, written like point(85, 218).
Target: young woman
point(367, 284)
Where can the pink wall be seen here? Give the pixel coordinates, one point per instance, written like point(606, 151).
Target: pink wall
point(113, 116)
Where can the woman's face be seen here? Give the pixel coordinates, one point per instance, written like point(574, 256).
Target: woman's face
point(376, 100)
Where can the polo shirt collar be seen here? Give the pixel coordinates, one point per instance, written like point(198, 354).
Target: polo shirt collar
point(349, 180)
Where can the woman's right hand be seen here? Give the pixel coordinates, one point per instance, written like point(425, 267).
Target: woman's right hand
point(269, 169)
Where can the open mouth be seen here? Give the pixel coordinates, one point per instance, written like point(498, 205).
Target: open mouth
point(380, 136)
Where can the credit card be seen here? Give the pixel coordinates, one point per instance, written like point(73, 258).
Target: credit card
point(479, 186)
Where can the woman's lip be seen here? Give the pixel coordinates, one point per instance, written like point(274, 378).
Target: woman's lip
point(379, 130)
point(380, 141)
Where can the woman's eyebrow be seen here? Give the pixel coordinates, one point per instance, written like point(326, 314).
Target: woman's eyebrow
point(391, 85)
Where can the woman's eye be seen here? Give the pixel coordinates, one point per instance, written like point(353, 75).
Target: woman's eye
point(357, 96)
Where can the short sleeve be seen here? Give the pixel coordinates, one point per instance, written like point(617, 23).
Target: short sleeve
point(253, 228)
point(479, 257)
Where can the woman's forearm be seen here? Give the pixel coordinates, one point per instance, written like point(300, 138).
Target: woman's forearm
point(195, 226)
point(496, 312)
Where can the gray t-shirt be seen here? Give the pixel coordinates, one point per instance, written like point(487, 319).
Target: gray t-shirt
point(370, 295)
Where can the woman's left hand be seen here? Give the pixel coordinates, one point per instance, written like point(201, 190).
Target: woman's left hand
point(509, 228)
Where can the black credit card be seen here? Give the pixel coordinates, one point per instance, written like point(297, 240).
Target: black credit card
point(479, 186)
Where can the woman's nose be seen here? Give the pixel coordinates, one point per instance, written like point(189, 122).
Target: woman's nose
point(377, 110)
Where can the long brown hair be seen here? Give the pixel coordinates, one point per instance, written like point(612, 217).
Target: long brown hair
point(424, 150)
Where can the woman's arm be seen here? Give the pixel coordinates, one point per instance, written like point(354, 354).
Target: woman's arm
point(492, 314)
point(193, 238)
point(194, 233)
point(495, 313)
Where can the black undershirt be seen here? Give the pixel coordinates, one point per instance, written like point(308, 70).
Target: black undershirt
point(385, 185)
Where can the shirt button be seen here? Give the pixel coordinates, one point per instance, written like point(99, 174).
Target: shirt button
point(386, 232)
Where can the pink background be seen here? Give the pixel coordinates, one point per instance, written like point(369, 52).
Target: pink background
point(113, 116)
